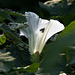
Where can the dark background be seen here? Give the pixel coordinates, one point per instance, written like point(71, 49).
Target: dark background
point(21, 5)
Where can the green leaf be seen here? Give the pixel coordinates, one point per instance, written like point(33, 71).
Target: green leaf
point(12, 16)
point(19, 49)
point(30, 68)
point(12, 73)
point(68, 18)
point(10, 12)
point(33, 67)
point(53, 8)
point(2, 39)
point(72, 7)
point(11, 33)
point(4, 15)
point(64, 40)
point(21, 54)
point(72, 55)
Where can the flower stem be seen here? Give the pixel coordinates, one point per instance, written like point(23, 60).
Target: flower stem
point(35, 57)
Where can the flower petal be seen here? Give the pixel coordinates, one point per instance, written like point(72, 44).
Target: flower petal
point(56, 27)
point(38, 34)
point(32, 20)
point(52, 27)
point(42, 23)
point(24, 32)
point(35, 22)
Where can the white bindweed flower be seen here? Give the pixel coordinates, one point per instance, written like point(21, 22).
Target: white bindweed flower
point(39, 31)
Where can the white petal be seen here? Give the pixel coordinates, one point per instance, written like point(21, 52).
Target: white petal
point(42, 23)
point(38, 34)
point(52, 27)
point(35, 25)
point(38, 38)
point(35, 22)
point(32, 20)
point(24, 32)
point(55, 27)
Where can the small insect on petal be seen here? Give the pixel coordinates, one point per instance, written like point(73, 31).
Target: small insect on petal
point(42, 30)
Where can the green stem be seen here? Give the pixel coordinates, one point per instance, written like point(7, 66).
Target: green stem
point(67, 56)
point(35, 58)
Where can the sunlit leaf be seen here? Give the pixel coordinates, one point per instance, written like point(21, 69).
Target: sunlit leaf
point(32, 68)
point(2, 39)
